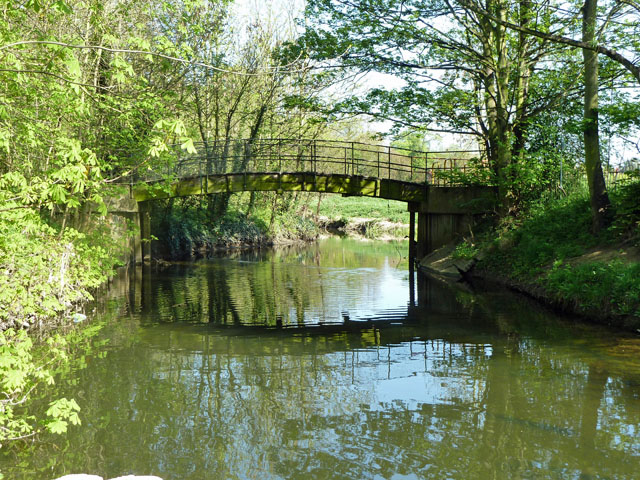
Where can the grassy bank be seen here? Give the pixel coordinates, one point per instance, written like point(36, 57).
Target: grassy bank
point(369, 217)
point(549, 253)
point(188, 228)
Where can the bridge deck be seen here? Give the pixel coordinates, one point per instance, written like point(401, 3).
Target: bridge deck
point(356, 185)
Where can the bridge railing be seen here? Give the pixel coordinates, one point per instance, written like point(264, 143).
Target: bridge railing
point(317, 157)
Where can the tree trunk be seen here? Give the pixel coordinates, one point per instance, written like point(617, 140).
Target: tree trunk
point(522, 85)
point(601, 210)
point(252, 203)
point(502, 109)
point(495, 78)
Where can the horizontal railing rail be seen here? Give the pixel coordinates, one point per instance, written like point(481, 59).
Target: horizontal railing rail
point(443, 168)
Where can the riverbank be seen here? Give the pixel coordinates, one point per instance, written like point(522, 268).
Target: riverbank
point(372, 218)
point(549, 254)
point(48, 271)
point(183, 232)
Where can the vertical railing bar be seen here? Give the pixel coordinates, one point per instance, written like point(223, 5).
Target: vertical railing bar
point(455, 167)
point(426, 167)
point(353, 170)
point(345, 161)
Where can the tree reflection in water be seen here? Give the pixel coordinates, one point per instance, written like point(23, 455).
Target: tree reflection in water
point(313, 363)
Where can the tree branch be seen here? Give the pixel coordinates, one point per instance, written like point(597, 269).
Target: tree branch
point(612, 54)
point(270, 70)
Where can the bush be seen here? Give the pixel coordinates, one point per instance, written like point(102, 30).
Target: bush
point(293, 227)
point(627, 220)
point(44, 273)
point(538, 248)
point(603, 288)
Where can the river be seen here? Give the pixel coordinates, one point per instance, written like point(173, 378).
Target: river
point(326, 361)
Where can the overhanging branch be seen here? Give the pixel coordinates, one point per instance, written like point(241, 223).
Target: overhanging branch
point(612, 54)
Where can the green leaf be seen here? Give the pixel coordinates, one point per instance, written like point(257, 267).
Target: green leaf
point(57, 426)
point(62, 7)
point(188, 146)
point(73, 67)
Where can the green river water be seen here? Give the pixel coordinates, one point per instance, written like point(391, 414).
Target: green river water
point(327, 362)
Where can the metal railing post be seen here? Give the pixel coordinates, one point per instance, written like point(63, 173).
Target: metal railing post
point(453, 170)
point(353, 165)
point(346, 171)
point(410, 168)
point(314, 154)
point(426, 167)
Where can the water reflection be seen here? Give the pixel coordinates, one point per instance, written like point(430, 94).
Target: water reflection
point(293, 288)
point(317, 364)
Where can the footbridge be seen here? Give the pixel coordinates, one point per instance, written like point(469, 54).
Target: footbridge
point(446, 189)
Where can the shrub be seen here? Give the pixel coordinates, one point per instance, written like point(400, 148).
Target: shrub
point(44, 273)
point(627, 220)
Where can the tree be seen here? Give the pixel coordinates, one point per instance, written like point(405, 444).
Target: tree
point(600, 204)
point(462, 73)
point(591, 45)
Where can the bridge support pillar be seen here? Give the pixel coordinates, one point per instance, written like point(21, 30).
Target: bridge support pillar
point(412, 237)
point(421, 247)
point(448, 213)
point(145, 231)
point(437, 229)
point(135, 244)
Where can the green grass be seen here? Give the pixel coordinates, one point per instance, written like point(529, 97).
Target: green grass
point(337, 207)
point(550, 232)
point(542, 249)
point(610, 288)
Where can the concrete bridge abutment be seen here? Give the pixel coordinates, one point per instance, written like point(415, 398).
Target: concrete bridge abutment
point(136, 216)
point(447, 214)
point(145, 231)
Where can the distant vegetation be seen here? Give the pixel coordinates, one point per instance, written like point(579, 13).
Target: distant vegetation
point(337, 207)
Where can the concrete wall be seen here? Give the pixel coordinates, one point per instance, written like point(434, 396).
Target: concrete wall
point(438, 229)
point(449, 213)
point(120, 224)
